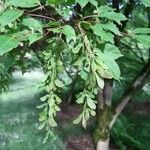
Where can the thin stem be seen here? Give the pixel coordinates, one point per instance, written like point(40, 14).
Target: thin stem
point(91, 16)
point(39, 8)
point(41, 16)
point(45, 9)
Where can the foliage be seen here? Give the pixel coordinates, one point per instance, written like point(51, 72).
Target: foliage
point(131, 136)
point(83, 41)
point(125, 140)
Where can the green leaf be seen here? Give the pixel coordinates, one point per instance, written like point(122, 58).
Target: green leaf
point(58, 100)
point(69, 32)
point(42, 125)
point(84, 74)
point(78, 120)
point(146, 2)
point(93, 113)
point(33, 37)
point(82, 3)
point(7, 61)
point(80, 100)
point(93, 2)
point(52, 122)
point(51, 102)
point(33, 24)
point(70, 2)
point(112, 65)
point(54, 24)
point(100, 82)
point(142, 31)
point(91, 103)
point(104, 9)
point(24, 3)
point(106, 36)
point(55, 30)
point(42, 118)
point(87, 115)
point(77, 49)
point(84, 121)
point(58, 83)
point(104, 73)
point(22, 36)
point(44, 98)
point(118, 17)
point(57, 108)
point(111, 27)
point(85, 25)
point(143, 39)
point(9, 16)
point(54, 2)
point(41, 106)
point(7, 44)
point(46, 137)
point(113, 51)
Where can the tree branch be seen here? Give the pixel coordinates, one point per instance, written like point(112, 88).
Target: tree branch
point(104, 96)
point(137, 83)
point(100, 100)
point(41, 16)
point(107, 92)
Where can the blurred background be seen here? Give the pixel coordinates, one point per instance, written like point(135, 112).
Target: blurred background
point(19, 115)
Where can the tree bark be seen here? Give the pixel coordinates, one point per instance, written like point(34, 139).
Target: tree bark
point(107, 92)
point(102, 131)
point(105, 117)
point(103, 145)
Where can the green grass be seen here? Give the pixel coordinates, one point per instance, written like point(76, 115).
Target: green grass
point(19, 118)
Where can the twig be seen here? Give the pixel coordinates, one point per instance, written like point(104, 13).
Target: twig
point(41, 16)
point(39, 8)
point(45, 9)
point(86, 17)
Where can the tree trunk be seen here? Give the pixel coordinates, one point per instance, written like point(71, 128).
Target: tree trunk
point(102, 131)
point(105, 117)
point(103, 145)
